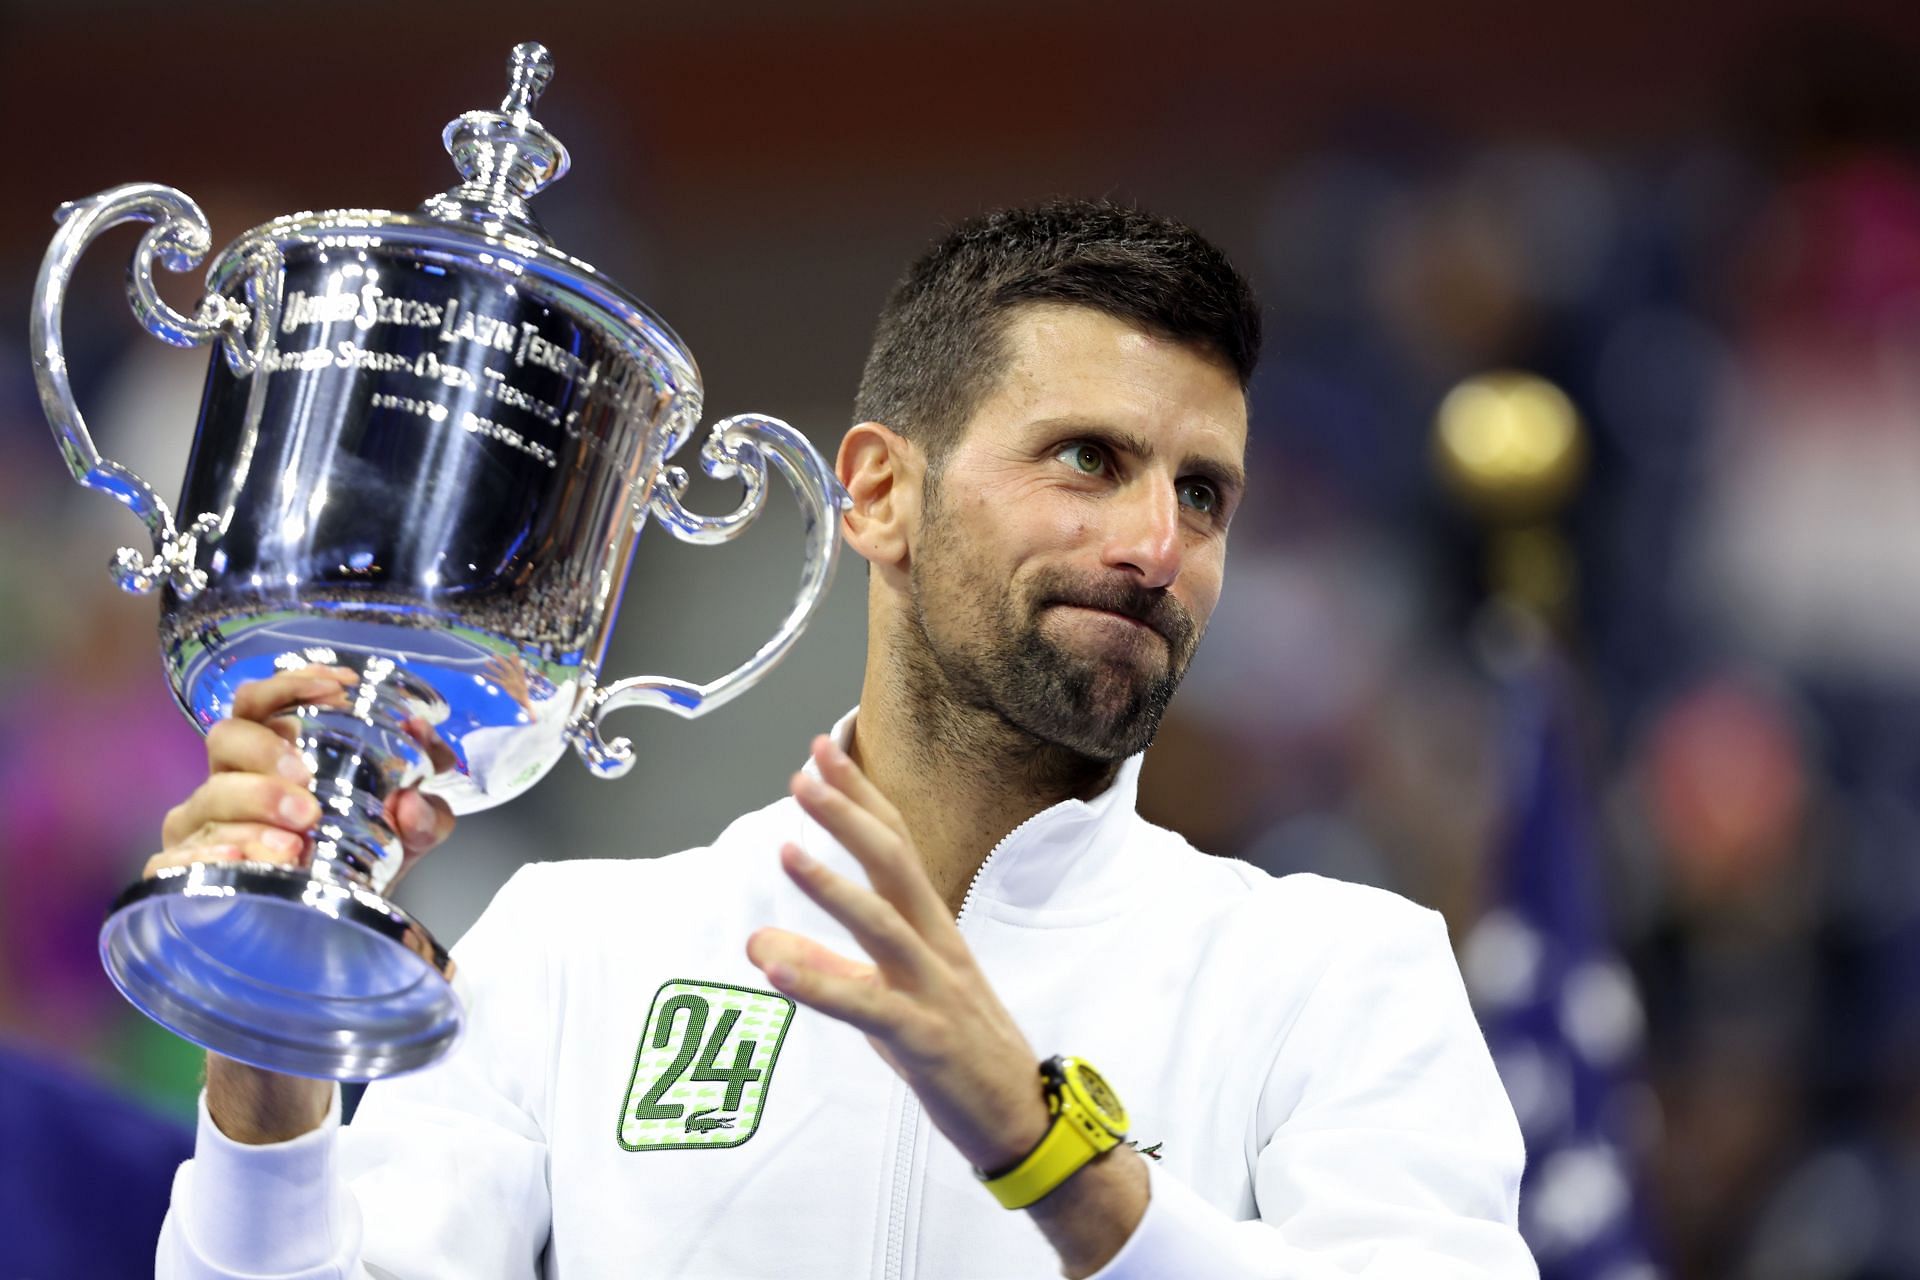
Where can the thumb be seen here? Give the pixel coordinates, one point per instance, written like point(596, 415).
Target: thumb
point(422, 821)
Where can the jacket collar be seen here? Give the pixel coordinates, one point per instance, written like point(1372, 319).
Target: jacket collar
point(1062, 866)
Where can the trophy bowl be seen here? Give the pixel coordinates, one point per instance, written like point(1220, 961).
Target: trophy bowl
point(427, 446)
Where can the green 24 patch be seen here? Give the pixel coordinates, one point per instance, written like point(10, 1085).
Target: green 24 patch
point(705, 1061)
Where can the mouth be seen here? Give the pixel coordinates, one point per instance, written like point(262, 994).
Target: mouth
point(1109, 614)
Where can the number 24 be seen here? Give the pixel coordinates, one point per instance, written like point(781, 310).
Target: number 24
point(736, 1077)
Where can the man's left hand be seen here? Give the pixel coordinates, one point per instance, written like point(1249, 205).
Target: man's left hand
point(922, 1002)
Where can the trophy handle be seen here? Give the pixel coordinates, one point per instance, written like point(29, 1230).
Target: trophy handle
point(178, 238)
point(739, 446)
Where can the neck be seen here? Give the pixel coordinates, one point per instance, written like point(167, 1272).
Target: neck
point(960, 775)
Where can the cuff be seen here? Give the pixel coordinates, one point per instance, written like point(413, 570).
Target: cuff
point(273, 1209)
point(1179, 1235)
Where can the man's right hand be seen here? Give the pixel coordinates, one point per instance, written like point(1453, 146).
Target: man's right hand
point(255, 806)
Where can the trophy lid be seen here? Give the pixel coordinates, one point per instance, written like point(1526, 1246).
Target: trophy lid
point(484, 224)
point(505, 157)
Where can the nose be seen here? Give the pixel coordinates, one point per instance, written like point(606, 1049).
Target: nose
point(1143, 536)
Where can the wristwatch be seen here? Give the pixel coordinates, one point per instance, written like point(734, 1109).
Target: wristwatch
point(1087, 1121)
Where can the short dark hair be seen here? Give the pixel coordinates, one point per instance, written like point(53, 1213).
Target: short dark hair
point(939, 347)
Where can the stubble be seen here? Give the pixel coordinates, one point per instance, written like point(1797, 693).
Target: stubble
point(986, 677)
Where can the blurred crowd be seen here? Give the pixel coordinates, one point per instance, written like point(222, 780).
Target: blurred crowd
point(1731, 597)
point(1736, 597)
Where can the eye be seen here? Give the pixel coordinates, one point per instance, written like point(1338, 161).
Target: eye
point(1085, 458)
point(1200, 495)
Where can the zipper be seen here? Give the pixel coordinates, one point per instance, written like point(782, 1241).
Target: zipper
point(910, 1106)
point(902, 1176)
point(987, 861)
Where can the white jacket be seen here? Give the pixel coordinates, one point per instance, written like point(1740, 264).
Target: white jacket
point(1299, 1051)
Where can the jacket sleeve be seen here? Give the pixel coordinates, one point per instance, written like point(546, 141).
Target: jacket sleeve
point(442, 1172)
point(1386, 1146)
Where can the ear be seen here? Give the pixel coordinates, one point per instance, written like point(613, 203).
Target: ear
point(882, 471)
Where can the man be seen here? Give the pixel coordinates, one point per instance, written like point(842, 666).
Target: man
point(799, 1052)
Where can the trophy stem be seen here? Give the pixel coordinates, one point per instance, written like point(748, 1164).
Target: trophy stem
point(310, 971)
point(360, 758)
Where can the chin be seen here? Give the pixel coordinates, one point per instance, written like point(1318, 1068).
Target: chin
point(1103, 719)
point(1113, 747)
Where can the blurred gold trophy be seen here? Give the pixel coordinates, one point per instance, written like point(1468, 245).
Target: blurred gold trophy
point(1511, 447)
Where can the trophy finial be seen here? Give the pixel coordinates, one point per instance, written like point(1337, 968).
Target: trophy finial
point(529, 71)
point(505, 157)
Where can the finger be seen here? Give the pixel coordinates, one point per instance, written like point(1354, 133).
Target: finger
point(782, 946)
point(879, 849)
point(259, 843)
point(259, 699)
point(824, 980)
point(241, 797)
point(423, 821)
point(438, 752)
point(247, 746)
point(874, 923)
point(839, 768)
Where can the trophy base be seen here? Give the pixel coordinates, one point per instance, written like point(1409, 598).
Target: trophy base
point(306, 975)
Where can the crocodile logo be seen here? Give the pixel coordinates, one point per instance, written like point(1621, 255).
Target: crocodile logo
point(699, 1123)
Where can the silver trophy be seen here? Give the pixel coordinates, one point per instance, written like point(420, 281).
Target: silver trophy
point(427, 447)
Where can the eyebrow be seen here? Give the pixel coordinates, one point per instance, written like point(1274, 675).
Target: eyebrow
point(1224, 476)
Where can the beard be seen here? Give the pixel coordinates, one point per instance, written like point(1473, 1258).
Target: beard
point(984, 645)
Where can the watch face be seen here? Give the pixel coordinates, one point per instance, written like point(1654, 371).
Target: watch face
point(1098, 1094)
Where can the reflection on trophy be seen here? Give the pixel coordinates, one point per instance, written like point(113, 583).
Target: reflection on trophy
point(428, 444)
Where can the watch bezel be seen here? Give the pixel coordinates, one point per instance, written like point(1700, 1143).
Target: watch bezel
point(1069, 1076)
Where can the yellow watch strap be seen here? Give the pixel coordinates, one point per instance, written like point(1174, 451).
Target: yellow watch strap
point(1069, 1144)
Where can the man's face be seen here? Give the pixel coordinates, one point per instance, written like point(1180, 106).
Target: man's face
point(1074, 540)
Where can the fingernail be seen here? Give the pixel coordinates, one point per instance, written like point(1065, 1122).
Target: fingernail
point(283, 842)
point(292, 767)
point(300, 810)
point(798, 858)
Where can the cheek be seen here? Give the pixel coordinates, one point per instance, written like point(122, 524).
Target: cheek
point(961, 569)
point(1008, 536)
point(1200, 589)
point(1043, 523)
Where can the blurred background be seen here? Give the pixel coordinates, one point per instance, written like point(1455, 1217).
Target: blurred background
point(1577, 594)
